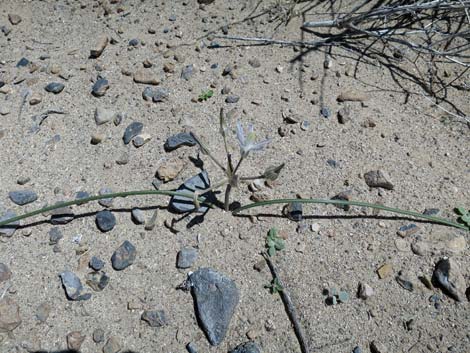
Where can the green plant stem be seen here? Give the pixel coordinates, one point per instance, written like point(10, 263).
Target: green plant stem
point(95, 198)
point(353, 203)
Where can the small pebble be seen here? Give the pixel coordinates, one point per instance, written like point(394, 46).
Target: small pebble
point(22, 197)
point(141, 140)
point(96, 263)
point(99, 47)
point(155, 318)
point(55, 87)
point(187, 72)
point(14, 19)
point(124, 256)
point(364, 291)
point(407, 230)
point(100, 87)
point(182, 139)
point(134, 129)
point(325, 112)
point(385, 271)
point(73, 286)
point(138, 216)
point(105, 220)
point(134, 42)
point(186, 258)
point(55, 235)
point(108, 202)
point(23, 62)
point(75, 340)
point(232, 99)
point(97, 280)
point(102, 115)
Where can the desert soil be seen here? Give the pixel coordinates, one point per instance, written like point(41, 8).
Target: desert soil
point(424, 157)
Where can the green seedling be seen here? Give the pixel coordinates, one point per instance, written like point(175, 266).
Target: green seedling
point(231, 168)
point(273, 242)
point(464, 216)
point(205, 95)
point(275, 286)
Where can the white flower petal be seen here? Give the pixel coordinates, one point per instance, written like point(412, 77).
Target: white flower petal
point(240, 134)
point(260, 145)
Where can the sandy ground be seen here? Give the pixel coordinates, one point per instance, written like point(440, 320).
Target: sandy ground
point(427, 161)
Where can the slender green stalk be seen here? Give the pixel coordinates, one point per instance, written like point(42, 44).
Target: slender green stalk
point(95, 198)
point(353, 203)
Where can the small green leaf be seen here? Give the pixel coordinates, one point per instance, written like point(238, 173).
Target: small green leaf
point(461, 211)
point(280, 244)
point(272, 232)
point(205, 95)
point(271, 251)
point(466, 219)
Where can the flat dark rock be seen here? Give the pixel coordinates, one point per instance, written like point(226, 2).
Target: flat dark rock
point(100, 87)
point(105, 220)
point(248, 347)
point(73, 286)
point(23, 197)
point(378, 179)
point(216, 297)
point(182, 139)
point(132, 131)
point(97, 280)
point(55, 87)
point(447, 275)
point(124, 256)
point(181, 204)
point(155, 318)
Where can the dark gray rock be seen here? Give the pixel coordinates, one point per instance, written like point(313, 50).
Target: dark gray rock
point(62, 215)
point(181, 204)
point(155, 318)
point(232, 99)
point(124, 256)
point(294, 211)
point(22, 63)
point(186, 257)
point(5, 273)
point(378, 179)
point(447, 275)
point(73, 286)
point(134, 42)
point(96, 263)
point(8, 229)
point(42, 312)
point(325, 112)
point(100, 87)
point(178, 140)
point(55, 235)
point(97, 280)
point(191, 348)
point(55, 87)
point(344, 196)
point(248, 347)
point(187, 72)
point(23, 197)
point(161, 94)
point(357, 349)
point(105, 220)
point(431, 211)
point(105, 202)
point(407, 230)
point(332, 163)
point(132, 131)
point(216, 297)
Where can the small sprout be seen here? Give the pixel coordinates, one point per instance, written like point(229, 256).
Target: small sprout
point(247, 143)
point(274, 242)
point(205, 95)
point(464, 215)
point(275, 286)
